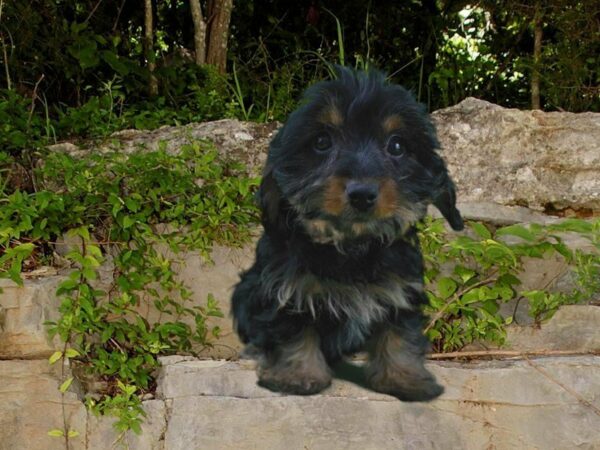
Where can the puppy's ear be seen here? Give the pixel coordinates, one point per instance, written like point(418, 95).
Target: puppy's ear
point(444, 197)
point(270, 201)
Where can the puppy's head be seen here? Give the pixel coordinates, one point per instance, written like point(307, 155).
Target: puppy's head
point(357, 159)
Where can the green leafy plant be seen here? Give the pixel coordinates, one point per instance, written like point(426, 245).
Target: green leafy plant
point(469, 277)
point(140, 210)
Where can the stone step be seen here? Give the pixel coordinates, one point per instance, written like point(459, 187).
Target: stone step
point(544, 403)
point(500, 404)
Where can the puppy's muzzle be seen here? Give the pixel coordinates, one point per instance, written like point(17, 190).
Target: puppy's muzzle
point(362, 196)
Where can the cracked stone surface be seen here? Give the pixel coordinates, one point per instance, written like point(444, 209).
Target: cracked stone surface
point(246, 142)
point(514, 157)
point(30, 406)
point(573, 327)
point(23, 311)
point(209, 404)
point(496, 155)
point(502, 405)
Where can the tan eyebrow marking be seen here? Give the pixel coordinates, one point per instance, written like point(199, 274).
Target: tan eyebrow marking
point(331, 116)
point(392, 123)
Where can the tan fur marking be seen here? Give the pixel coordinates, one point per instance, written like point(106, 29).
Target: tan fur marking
point(331, 116)
point(359, 228)
point(334, 200)
point(392, 123)
point(387, 201)
point(317, 226)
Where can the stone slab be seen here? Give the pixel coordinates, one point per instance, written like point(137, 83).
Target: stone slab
point(23, 311)
point(544, 160)
point(31, 405)
point(498, 214)
point(573, 328)
point(499, 405)
point(102, 435)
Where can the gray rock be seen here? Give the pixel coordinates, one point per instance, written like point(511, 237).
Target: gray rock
point(501, 215)
point(502, 405)
point(573, 328)
point(102, 435)
point(23, 311)
point(245, 142)
point(31, 405)
point(514, 157)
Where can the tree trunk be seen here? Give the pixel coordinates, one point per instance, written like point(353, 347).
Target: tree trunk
point(199, 31)
point(537, 53)
point(219, 13)
point(149, 47)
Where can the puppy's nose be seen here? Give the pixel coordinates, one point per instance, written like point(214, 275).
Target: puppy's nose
point(362, 196)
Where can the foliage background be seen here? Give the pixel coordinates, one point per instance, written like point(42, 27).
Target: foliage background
point(81, 69)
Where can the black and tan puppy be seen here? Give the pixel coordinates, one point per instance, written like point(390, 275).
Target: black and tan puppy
point(338, 268)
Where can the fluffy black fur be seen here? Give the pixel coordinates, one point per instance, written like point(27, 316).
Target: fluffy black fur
point(338, 268)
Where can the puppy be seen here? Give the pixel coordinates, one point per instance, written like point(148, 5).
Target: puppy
point(338, 268)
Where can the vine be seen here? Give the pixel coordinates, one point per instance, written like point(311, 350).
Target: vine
point(465, 299)
point(137, 212)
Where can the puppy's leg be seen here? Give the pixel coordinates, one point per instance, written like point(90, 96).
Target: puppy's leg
point(396, 365)
point(296, 367)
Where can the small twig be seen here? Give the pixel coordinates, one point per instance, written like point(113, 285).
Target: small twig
point(118, 15)
point(456, 296)
point(578, 396)
point(116, 344)
point(508, 354)
point(92, 12)
point(4, 52)
point(34, 97)
point(62, 395)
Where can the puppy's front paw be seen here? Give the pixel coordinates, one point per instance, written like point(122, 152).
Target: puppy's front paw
point(408, 386)
point(293, 382)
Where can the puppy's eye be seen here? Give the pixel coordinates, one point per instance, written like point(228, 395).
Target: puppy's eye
point(322, 143)
point(394, 146)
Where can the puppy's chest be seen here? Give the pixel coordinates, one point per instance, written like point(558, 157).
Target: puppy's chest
point(345, 298)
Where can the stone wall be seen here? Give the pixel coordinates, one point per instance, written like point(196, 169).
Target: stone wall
point(547, 161)
point(501, 160)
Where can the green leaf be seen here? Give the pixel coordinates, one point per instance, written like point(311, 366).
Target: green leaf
point(132, 204)
point(481, 230)
point(56, 433)
point(82, 232)
point(73, 433)
point(71, 353)
point(491, 306)
point(55, 357)
point(471, 296)
point(23, 250)
point(66, 384)
point(516, 230)
point(576, 225)
point(113, 60)
point(128, 222)
point(508, 279)
point(464, 273)
point(89, 274)
point(446, 287)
